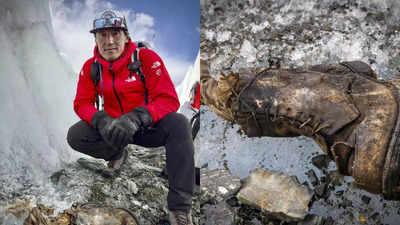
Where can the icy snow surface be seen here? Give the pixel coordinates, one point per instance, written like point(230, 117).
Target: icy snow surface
point(36, 94)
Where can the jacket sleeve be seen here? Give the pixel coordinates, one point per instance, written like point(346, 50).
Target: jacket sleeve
point(85, 95)
point(162, 95)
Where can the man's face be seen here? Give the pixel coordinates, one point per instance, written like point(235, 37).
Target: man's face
point(111, 43)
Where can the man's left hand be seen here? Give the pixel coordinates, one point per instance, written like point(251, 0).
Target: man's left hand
point(126, 126)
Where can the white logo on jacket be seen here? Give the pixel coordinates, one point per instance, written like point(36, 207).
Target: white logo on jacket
point(130, 79)
point(156, 64)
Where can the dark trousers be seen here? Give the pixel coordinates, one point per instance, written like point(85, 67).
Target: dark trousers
point(173, 131)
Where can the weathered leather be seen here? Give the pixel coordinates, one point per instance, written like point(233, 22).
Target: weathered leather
point(391, 178)
point(316, 99)
point(370, 135)
point(349, 113)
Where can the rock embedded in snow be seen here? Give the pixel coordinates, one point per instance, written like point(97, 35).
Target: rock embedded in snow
point(217, 184)
point(276, 193)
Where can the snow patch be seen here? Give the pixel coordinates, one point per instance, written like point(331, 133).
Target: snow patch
point(248, 51)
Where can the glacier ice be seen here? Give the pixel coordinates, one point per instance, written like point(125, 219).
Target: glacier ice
point(36, 93)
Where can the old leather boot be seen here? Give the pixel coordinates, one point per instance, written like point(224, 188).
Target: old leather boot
point(180, 218)
point(351, 115)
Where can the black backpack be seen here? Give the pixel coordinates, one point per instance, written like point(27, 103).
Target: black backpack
point(134, 67)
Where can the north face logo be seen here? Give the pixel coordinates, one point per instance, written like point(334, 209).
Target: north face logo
point(156, 64)
point(130, 79)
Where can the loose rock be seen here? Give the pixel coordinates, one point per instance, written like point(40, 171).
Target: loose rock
point(276, 193)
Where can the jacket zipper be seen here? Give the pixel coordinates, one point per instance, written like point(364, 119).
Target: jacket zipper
point(115, 90)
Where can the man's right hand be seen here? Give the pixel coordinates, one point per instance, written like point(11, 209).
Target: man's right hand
point(103, 123)
point(119, 134)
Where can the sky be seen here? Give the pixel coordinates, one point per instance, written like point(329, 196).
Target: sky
point(171, 27)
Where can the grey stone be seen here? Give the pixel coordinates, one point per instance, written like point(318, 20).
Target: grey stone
point(55, 177)
point(218, 184)
point(276, 193)
point(220, 214)
point(91, 164)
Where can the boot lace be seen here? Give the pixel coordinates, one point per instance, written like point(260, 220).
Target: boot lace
point(181, 218)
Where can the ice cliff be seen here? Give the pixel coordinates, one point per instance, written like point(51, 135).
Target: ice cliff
point(36, 93)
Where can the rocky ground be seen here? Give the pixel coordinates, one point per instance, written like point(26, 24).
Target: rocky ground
point(294, 33)
point(273, 197)
point(290, 33)
point(141, 187)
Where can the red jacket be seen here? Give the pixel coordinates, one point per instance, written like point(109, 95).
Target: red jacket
point(121, 93)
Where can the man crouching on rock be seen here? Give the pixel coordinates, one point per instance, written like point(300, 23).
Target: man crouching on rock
point(140, 104)
point(351, 115)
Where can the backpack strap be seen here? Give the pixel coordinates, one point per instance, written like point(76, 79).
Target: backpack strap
point(134, 67)
point(96, 75)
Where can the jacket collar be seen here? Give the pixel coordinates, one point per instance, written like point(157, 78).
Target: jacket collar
point(119, 63)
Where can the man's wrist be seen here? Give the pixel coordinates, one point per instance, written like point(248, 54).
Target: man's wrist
point(143, 115)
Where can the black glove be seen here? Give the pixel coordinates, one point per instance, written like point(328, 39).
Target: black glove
point(101, 121)
point(139, 116)
point(119, 133)
point(129, 124)
point(111, 130)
